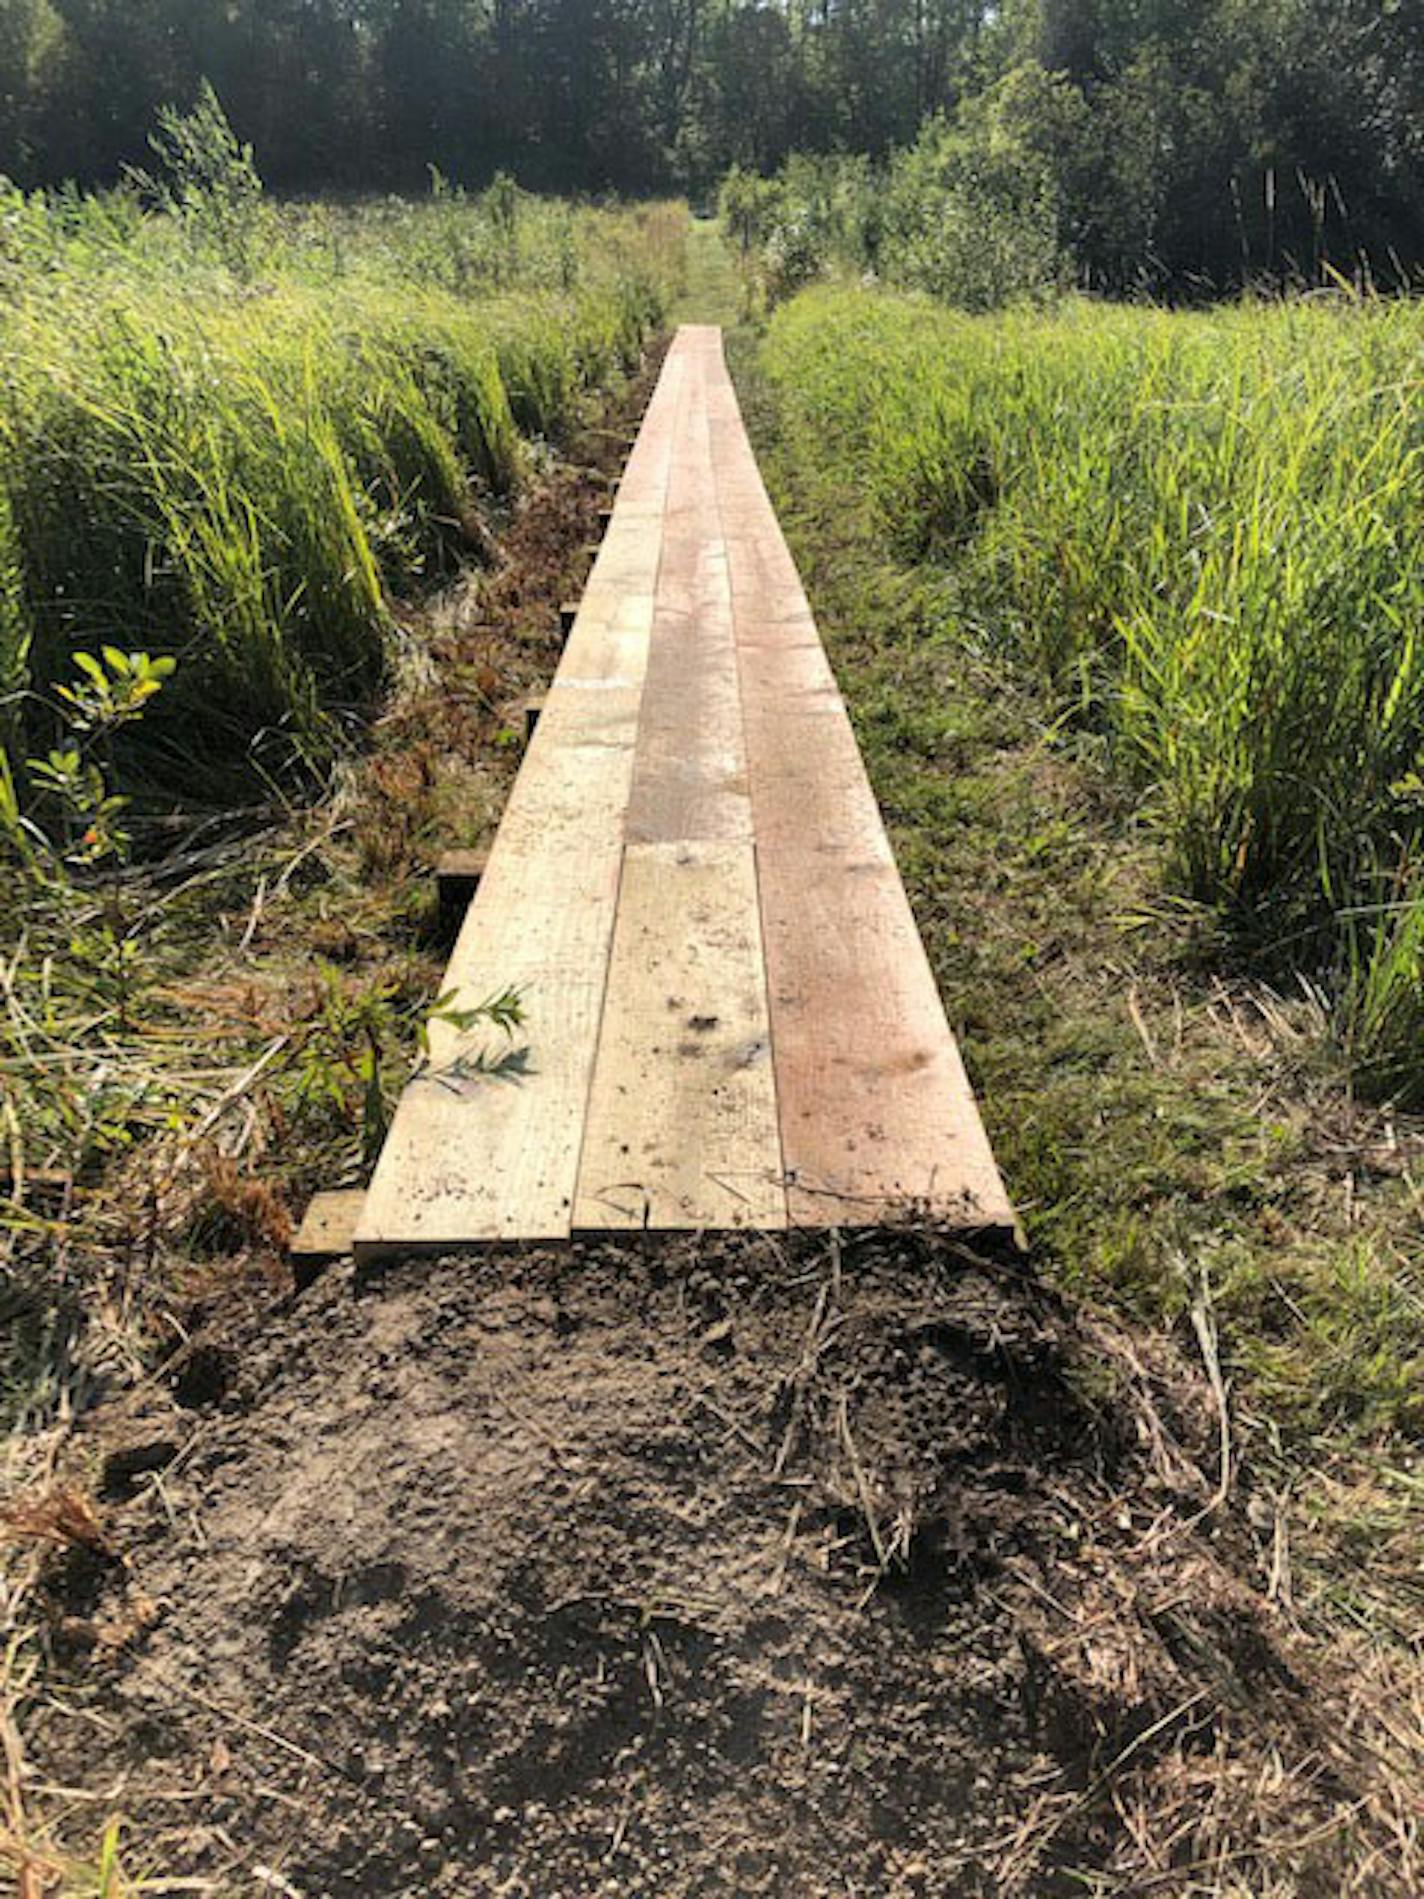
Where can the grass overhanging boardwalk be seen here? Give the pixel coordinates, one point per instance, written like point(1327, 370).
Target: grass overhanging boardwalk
point(730, 1019)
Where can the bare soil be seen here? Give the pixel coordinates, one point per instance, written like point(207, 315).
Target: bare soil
point(842, 1567)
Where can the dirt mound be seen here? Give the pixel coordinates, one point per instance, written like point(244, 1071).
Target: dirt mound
point(850, 1569)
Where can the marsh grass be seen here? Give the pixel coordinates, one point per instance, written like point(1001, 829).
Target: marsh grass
point(238, 468)
point(1199, 532)
point(273, 481)
point(1174, 1130)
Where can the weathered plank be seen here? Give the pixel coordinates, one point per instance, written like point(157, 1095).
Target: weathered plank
point(690, 773)
point(682, 1122)
point(327, 1232)
point(876, 1114)
point(473, 1155)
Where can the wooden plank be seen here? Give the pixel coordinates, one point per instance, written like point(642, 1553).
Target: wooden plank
point(682, 1124)
point(731, 1020)
point(327, 1232)
point(877, 1117)
point(609, 645)
point(876, 1114)
point(690, 774)
point(472, 1155)
point(809, 787)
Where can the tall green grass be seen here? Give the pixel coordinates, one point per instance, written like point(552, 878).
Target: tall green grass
point(238, 471)
point(1202, 530)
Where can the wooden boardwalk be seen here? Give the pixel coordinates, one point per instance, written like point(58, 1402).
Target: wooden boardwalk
point(730, 1018)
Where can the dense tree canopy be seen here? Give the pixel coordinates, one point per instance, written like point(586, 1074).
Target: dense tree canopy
point(1210, 140)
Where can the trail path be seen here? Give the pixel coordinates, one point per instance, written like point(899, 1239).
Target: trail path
point(730, 1019)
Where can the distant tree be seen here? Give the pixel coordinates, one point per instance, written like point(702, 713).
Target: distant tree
point(1188, 146)
point(34, 51)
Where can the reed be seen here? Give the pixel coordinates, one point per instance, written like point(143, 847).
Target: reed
point(1201, 530)
point(240, 470)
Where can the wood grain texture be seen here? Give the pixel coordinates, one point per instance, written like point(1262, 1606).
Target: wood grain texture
point(682, 1123)
point(476, 1156)
point(877, 1117)
point(730, 1017)
point(471, 1155)
point(329, 1224)
point(690, 774)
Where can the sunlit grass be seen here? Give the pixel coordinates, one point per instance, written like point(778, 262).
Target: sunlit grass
point(1176, 1133)
point(239, 473)
point(1200, 531)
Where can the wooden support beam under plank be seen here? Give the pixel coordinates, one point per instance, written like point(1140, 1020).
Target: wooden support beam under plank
point(327, 1232)
point(457, 878)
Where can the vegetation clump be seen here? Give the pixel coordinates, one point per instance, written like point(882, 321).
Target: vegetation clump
point(1198, 530)
point(969, 213)
point(230, 430)
point(244, 445)
point(1185, 147)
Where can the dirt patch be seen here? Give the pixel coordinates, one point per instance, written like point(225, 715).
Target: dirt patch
point(847, 1569)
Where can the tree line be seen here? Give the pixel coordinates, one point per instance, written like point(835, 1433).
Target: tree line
point(1178, 144)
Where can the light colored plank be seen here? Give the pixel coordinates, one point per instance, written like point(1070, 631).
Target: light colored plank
point(682, 1125)
point(690, 774)
point(328, 1227)
point(809, 787)
point(876, 1114)
point(470, 1156)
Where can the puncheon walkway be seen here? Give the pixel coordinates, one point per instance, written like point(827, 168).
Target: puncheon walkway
point(729, 1016)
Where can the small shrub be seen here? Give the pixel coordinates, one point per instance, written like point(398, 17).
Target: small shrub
point(208, 181)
